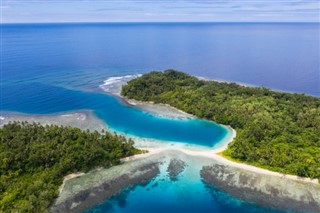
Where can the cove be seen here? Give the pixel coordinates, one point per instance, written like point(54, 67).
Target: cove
point(187, 193)
point(38, 98)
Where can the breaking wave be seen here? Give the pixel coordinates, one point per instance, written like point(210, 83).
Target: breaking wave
point(113, 84)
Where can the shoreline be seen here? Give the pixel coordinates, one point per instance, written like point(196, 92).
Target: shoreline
point(82, 119)
point(266, 190)
point(252, 85)
point(212, 153)
point(152, 145)
point(83, 196)
point(161, 110)
point(82, 192)
point(254, 169)
point(69, 177)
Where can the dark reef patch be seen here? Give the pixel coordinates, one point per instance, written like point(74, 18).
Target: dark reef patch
point(175, 167)
point(90, 197)
point(264, 190)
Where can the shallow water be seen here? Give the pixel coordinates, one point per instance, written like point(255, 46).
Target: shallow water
point(187, 194)
point(117, 114)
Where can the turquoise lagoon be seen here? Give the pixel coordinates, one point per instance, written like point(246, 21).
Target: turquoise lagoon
point(119, 116)
point(187, 194)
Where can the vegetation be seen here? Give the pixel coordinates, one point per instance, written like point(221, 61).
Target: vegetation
point(275, 130)
point(34, 159)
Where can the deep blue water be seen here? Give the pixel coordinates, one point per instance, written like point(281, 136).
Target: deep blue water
point(51, 68)
point(279, 56)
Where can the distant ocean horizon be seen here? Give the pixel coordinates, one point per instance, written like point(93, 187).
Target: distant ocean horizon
point(161, 22)
point(280, 56)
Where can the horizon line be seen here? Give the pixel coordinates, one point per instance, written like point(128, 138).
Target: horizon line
point(168, 22)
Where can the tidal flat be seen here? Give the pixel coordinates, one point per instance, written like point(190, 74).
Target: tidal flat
point(84, 119)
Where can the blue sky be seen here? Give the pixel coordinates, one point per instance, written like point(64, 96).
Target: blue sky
point(22, 11)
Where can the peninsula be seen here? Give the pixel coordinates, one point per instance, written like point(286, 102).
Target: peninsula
point(277, 131)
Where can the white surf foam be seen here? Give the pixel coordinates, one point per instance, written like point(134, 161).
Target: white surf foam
point(113, 84)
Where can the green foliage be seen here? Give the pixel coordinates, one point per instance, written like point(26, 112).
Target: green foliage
point(275, 130)
point(34, 159)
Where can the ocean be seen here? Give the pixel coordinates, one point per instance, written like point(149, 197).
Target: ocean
point(53, 68)
point(282, 56)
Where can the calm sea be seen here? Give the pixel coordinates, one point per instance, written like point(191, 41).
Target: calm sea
point(279, 56)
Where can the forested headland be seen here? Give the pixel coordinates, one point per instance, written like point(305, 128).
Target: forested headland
point(275, 130)
point(34, 159)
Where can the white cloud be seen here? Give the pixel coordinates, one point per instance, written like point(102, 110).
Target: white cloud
point(165, 10)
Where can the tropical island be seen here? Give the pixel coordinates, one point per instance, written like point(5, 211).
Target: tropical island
point(275, 130)
point(35, 159)
point(67, 169)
